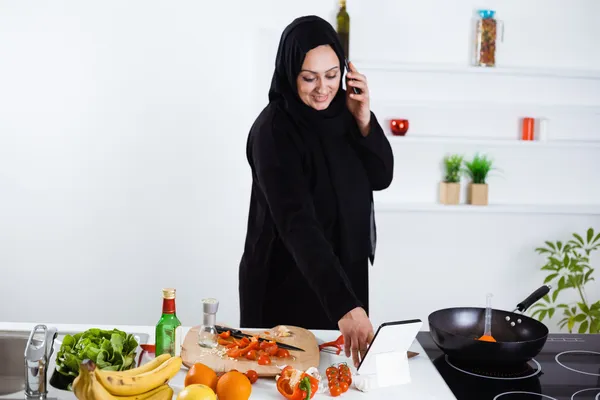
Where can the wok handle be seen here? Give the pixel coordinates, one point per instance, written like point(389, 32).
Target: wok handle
point(533, 297)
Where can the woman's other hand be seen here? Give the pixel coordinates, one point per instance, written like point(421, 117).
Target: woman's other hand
point(358, 333)
point(358, 104)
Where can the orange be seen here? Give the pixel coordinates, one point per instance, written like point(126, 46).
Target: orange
point(201, 374)
point(234, 386)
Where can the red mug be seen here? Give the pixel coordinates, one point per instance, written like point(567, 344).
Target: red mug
point(399, 127)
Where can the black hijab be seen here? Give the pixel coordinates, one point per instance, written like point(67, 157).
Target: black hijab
point(333, 128)
point(301, 36)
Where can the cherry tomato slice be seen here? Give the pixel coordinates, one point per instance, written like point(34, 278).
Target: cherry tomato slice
point(264, 360)
point(272, 349)
point(282, 353)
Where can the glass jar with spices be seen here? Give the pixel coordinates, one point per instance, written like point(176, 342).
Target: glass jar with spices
point(486, 38)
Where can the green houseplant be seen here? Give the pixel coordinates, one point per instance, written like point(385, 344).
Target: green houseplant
point(450, 186)
point(569, 266)
point(478, 169)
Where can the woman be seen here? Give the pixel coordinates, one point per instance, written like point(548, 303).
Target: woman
point(316, 153)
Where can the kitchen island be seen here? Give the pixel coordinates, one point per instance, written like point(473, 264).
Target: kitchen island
point(426, 383)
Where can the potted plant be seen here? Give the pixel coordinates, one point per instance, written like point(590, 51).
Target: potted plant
point(450, 186)
point(478, 170)
point(569, 267)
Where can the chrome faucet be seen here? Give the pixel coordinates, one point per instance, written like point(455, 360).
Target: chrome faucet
point(38, 350)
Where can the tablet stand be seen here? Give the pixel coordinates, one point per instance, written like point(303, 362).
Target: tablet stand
point(386, 361)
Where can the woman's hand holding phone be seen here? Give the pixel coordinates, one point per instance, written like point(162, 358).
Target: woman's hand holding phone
point(358, 103)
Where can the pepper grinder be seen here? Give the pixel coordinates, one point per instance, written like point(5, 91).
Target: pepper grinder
point(207, 335)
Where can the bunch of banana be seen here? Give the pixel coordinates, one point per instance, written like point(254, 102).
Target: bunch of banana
point(147, 382)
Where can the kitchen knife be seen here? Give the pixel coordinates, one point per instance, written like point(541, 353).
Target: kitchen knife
point(236, 333)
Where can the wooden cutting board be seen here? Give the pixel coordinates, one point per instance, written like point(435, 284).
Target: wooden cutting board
point(191, 353)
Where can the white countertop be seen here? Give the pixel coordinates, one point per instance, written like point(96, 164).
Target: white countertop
point(426, 383)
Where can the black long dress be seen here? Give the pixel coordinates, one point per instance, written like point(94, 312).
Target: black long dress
point(311, 228)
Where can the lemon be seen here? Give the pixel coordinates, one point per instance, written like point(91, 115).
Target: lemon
point(197, 391)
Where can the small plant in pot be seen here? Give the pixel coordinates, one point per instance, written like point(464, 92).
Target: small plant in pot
point(568, 266)
point(450, 186)
point(478, 169)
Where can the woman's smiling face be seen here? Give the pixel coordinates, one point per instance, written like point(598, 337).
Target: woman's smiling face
point(319, 80)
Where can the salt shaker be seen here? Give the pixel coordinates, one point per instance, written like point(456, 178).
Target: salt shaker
point(207, 335)
point(543, 130)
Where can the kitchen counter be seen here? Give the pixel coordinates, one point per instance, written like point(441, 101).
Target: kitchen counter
point(426, 383)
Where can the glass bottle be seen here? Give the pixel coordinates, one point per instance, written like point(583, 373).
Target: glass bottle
point(343, 27)
point(207, 334)
point(168, 330)
point(486, 36)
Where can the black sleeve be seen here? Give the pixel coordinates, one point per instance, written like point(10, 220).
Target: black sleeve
point(277, 165)
point(376, 155)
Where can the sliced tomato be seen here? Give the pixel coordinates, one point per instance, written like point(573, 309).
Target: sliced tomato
point(264, 360)
point(271, 349)
point(282, 353)
point(252, 355)
point(266, 343)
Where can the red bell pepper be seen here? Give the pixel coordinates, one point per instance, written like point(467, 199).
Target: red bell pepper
point(294, 384)
point(238, 351)
point(225, 335)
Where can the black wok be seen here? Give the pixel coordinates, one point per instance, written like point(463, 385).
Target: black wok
point(519, 338)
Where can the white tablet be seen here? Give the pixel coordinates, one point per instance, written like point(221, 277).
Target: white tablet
point(390, 338)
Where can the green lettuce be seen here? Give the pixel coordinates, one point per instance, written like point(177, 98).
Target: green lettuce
point(112, 350)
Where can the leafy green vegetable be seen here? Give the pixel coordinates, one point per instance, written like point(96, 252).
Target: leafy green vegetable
point(112, 350)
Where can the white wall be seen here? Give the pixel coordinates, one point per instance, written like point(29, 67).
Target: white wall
point(122, 138)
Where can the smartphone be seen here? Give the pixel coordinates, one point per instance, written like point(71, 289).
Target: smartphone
point(356, 90)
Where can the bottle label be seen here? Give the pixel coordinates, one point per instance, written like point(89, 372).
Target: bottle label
point(178, 341)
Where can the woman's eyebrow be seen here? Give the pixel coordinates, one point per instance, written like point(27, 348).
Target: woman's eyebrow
point(313, 72)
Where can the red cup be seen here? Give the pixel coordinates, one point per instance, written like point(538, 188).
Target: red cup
point(528, 125)
point(399, 127)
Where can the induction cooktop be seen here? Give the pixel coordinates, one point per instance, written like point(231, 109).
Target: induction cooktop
point(567, 368)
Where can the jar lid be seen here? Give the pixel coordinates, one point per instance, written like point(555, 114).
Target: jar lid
point(210, 305)
point(168, 293)
point(487, 13)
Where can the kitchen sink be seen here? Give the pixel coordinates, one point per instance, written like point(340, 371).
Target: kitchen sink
point(12, 363)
